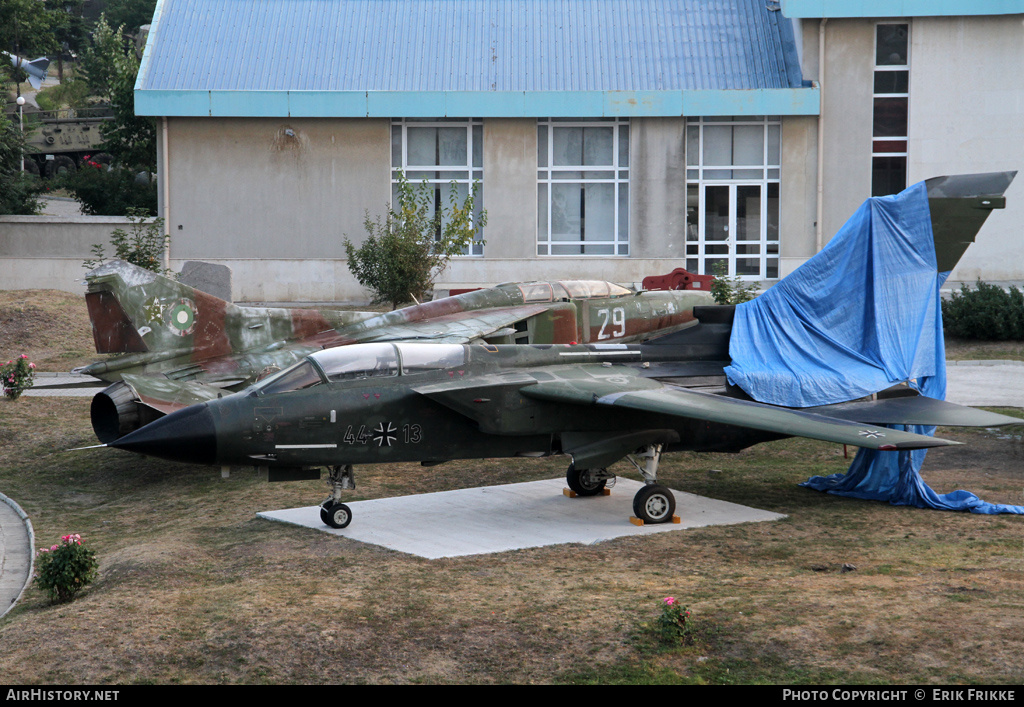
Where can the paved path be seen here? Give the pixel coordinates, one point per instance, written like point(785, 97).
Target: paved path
point(997, 383)
point(43, 380)
point(16, 551)
point(59, 206)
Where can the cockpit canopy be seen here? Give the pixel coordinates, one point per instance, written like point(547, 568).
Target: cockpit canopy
point(360, 361)
point(569, 289)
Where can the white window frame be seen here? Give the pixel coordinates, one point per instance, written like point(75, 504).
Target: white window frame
point(549, 175)
point(470, 173)
point(700, 176)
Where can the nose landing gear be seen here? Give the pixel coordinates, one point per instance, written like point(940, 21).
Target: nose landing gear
point(332, 511)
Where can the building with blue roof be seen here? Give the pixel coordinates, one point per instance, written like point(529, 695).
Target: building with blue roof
point(610, 139)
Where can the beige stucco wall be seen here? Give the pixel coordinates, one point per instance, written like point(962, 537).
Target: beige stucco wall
point(244, 187)
point(847, 119)
point(966, 115)
point(275, 207)
point(46, 252)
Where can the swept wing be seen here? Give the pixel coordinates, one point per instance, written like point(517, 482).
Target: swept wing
point(643, 396)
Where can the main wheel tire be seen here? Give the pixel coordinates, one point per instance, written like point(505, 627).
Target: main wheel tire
point(581, 484)
point(59, 165)
point(654, 504)
point(337, 516)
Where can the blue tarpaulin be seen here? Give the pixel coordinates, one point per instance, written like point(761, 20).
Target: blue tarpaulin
point(860, 316)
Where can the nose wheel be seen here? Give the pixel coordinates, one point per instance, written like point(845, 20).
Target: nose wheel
point(336, 515)
point(332, 511)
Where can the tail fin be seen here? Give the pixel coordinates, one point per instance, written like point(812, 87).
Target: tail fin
point(135, 310)
point(959, 205)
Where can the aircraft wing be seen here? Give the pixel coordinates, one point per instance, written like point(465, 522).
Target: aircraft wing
point(649, 396)
point(457, 327)
point(915, 410)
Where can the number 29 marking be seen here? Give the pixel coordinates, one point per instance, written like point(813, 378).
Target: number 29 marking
point(617, 318)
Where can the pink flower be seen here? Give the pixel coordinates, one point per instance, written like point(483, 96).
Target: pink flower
point(24, 355)
point(670, 600)
point(31, 365)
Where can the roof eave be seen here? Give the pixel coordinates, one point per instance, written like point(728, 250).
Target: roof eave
point(805, 100)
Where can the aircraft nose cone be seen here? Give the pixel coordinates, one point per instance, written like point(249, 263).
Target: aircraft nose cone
point(187, 435)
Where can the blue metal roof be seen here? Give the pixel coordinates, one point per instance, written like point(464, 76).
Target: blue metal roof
point(469, 57)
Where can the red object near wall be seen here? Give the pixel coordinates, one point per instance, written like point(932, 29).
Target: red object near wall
point(678, 279)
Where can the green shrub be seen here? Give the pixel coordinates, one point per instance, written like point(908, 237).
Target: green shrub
point(143, 244)
point(731, 290)
point(65, 569)
point(987, 313)
point(104, 191)
point(407, 248)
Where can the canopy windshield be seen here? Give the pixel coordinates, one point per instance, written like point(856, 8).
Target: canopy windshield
point(357, 361)
point(298, 377)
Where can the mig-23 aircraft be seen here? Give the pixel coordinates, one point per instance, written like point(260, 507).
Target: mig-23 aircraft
point(182, 346)
point(594, 402)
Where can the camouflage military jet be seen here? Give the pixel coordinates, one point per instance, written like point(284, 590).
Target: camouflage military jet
point(431, 403)
point(183, 346)
point(597, 403)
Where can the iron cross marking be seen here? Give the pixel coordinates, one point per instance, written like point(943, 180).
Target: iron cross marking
point(384, 436)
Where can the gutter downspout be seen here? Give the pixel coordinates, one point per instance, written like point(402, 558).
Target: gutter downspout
point(820, 199)
point(166, 188)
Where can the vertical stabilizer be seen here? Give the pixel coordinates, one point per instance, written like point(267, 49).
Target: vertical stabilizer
point(959, 205)
point(134, 310)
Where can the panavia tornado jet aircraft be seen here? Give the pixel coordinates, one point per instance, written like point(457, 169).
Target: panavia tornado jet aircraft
point(183, 346)
point(597, 403)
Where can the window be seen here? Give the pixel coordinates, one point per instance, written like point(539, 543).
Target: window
point(732, 195)
point(440, 151)
point(583, 187)
point(890, 112)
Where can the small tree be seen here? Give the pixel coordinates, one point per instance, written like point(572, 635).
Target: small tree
point(407, 248)
point(730, 290)
point(143, 244)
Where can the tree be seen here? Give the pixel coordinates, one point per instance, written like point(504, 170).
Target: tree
point(129, 138)
point(131, 14)
point(68, 27)
point(111, 67)
point(411, 245)
point(100, 57)
point(18, 190)
point(26, 29)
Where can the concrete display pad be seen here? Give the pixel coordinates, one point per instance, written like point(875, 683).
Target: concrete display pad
point(511, 517)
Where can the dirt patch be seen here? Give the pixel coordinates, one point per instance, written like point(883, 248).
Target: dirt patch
point(50, 326)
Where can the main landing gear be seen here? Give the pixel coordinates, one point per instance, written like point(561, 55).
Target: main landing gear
point(587, 482)
point(653, 503)
point(332, 511)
